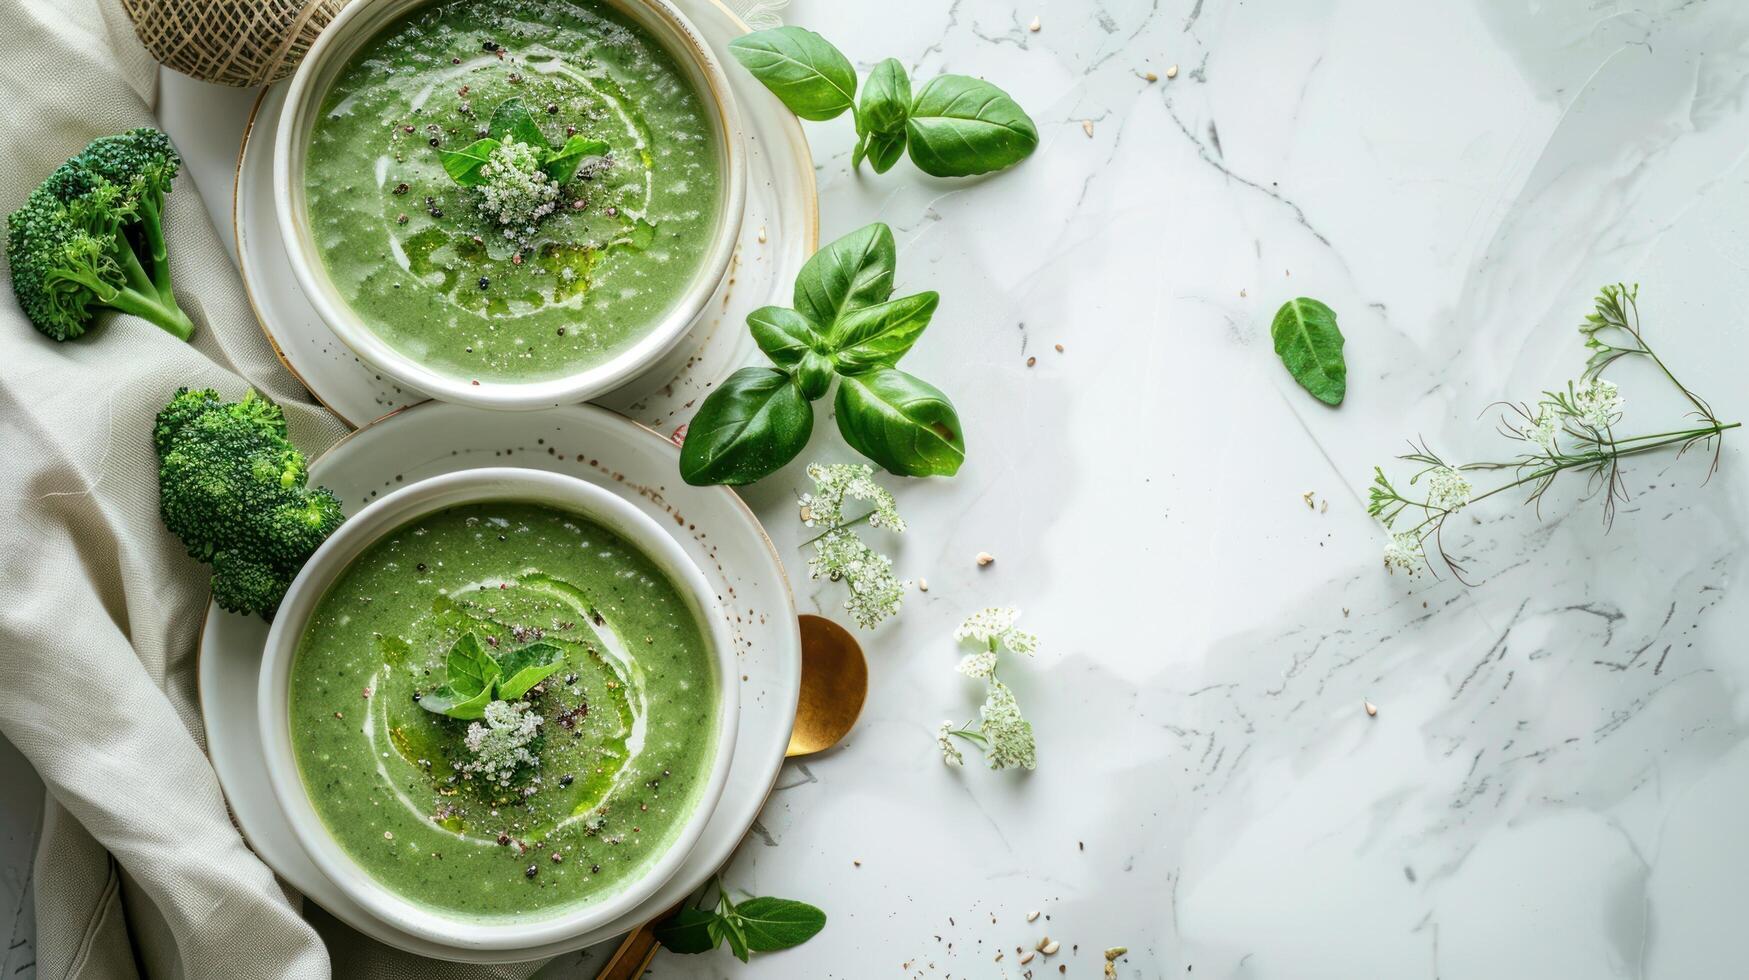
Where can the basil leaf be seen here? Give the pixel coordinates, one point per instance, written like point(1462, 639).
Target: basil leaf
point(527, 666)
point(877, 336)
point(771, 924)
point(512, 121)
point(473, 708)
point(756, 422)
point(801, 68)
point(688, 931)
point(471, 668)
point(463, 165)
point(731, 930)
point(1309, 343)
point(440, 701)
point(901, 422)
point(784, 335)
point(885, 149)
point(847, 274)
point(961, 126)
point(814, 374)
point(886, 99)
point(561, 164)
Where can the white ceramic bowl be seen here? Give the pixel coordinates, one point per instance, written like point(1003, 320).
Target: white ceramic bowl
point(362, 20)
point(325, 566)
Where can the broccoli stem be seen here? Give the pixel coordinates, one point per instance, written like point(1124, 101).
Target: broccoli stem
point(148, 306)
point(151, 208)
point(148, 295)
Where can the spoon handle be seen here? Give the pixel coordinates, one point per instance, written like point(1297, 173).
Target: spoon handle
point(634, 954)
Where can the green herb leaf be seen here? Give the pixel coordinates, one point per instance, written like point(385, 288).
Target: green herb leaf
point(463, 165)
point(886, 99)
point(885, 149)
point(756, 422)
point(771, 924)
point(729, 928)
point(471, 669)
point(801, 68)
point(853, 272)
point(814, 374)
point(901, 422)
point(876, 336)
point(688, 931)
point(512, 121)
point(1309, 343)
point(445, 701)
point(961, 126)
point(784, 335)
point(527, 666)
point(561, 164)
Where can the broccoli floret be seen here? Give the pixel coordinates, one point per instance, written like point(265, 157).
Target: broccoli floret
point(91, 236)
point(235, 490)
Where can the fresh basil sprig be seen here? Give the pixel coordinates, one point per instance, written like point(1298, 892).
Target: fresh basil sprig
point(954, 126)
point(512, 122)
point(758, 925)
point(476, 678)
point(844, 324)
point(1310, 344)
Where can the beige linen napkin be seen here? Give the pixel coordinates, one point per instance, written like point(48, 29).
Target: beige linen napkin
point(139, 869)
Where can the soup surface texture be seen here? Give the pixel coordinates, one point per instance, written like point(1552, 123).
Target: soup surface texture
point(418, 257)
point(553, 799)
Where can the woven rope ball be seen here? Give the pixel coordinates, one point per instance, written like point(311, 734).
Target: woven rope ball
point(232, 42)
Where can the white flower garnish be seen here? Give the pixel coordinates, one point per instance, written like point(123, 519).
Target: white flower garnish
point(1597, 403)
point(979, 665)
point(1009, 738)
point(500, 746)
point(1004, 735)
point(994, 626)
point(1447, 489)
point(840, 554)
point(514, 191)
point(950, 753)
point(1545, 430)
point(1403, 551)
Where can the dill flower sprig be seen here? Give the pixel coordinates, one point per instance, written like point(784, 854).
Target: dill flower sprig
point(1001, 731)
point(1572, 429)
point(840, 554)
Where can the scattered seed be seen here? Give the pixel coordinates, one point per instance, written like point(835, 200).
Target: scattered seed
point(1032, 916)
point(1050, 947)
point(1172, 72)
point(985, 558)
point(1307, 497)
point(388, 835)
point(1372, 710)
point(1323, 506)
point(761, 234)
point(856, 861)
point(1034, 26)
point(1026, 957)
point(339, 715)
point(1087, 126)
point(1151, 77)
point(1031, 361)
point(922, 585)
point(1059, 348)
point(557, 857)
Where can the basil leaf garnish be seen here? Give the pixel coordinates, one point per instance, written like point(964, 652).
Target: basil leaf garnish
point(886, 99)
point(960, 126)
point(1309, 343)
point(801, 68)
point(463, 165)
point(512, 121)
point(527, 666)
point(784, 335)
point(561, 164)
point(687, 931)
point(471, 668)
point(848, 274)
point(901, 422)
point(879, 335)
point(756, 422)
point(771, 924)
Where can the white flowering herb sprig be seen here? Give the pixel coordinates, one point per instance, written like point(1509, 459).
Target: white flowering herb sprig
point(1004, 735)
point(1574, 429)
point(840, 554)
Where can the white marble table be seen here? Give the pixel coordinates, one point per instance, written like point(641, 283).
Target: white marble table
point(1551, 786)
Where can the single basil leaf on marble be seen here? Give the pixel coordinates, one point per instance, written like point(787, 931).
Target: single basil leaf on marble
point(752, 425)
point(527, 666)
point(901, 422)
point(561, 164)
point(1310, 344)
point(885, 149)
point(512, 121)
point(687, 931)
point(886, 99)
point(847, 274)
point(771, 924)
point(801, 68)
point(784, 335)
point(463, 165)
point(879, 335)
point(960, 126)
point(471, 669)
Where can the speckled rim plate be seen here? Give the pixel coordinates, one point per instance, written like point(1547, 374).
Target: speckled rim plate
point(712, 524)
point(780, 229)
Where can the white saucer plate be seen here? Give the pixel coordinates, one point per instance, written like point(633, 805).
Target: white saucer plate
point(715, 528)
point(779, 231)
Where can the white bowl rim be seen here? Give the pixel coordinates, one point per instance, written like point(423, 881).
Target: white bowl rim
point(337, 553)
point(581, 386)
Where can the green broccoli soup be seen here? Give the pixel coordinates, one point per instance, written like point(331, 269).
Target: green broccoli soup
point(503, 709)
point(513, 190)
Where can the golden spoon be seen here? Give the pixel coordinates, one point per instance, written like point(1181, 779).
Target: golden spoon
point(834, 685)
